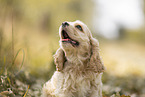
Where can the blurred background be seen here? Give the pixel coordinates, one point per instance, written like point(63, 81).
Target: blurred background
point(29, 38)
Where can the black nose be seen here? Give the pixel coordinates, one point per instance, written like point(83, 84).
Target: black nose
point(64, 24)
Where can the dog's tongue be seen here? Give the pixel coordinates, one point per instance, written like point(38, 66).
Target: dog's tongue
point(68, 40)
point(65, 39)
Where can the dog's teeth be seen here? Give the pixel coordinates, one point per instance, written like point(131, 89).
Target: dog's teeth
point(73, 42)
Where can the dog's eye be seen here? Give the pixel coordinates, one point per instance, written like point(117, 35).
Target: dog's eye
point(79, 27)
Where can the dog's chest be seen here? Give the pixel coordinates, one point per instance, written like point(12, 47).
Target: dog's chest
point(79, 84)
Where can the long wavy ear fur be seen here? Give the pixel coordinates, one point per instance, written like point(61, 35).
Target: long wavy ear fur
point(95, 60)
point(59, 59)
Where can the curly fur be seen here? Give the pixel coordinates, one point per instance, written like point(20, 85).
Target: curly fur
point(79, 68)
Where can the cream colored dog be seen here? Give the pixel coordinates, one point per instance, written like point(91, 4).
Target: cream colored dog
point(79, 67)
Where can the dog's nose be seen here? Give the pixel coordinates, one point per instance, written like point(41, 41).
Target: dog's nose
point(64, 24)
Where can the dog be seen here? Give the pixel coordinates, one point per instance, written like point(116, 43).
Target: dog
point(78, 63)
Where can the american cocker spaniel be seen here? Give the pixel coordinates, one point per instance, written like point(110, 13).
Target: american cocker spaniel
point(78, 63)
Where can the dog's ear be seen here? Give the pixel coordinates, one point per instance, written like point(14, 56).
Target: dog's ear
point(59, 59)
point(95, 60)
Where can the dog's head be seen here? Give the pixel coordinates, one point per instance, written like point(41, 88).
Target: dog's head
point(74, 35)
point(77, 42)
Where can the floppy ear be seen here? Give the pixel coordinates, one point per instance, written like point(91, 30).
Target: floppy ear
point(95, 60)
point(59, 59)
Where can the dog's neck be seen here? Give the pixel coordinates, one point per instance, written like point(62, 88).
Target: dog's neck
point(77, 57)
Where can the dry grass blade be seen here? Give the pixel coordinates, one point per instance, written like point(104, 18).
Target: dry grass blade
point(13, 63)
point(2, 70)
point(26, 91)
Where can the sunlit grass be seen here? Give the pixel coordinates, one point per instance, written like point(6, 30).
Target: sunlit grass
point(124, 58)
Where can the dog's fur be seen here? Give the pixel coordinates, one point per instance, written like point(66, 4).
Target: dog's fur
point(79, 66)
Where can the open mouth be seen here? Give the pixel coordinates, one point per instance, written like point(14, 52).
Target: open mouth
point(66, 38)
